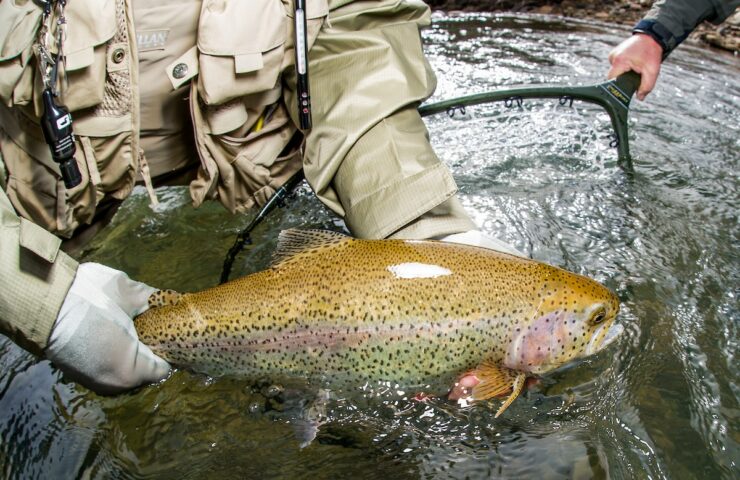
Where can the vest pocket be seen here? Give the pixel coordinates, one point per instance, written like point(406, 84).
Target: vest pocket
point(97, 69)
point(36, 190)
point(34, 184)
point(242, 168)
point(91, 24)
point(241, 46)
point(242, 128)
point(18, 26)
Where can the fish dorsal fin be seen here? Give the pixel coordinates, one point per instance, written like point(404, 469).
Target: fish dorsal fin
point(293, 241)
point(163, 298)
point(495, 381)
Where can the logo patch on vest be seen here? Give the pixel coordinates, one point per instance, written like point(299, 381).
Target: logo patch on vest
point(151, 39)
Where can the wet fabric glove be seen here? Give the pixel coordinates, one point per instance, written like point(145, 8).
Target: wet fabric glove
point(94, 341)
point(477, 238)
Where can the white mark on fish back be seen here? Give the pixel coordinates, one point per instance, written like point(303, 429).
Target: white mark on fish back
point(418, 270)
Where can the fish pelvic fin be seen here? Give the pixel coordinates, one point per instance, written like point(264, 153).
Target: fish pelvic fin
point(293, 241)
point(311, 415)
point(163, 298)
point(495, 381)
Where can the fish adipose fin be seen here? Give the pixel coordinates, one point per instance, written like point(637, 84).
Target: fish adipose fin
point(495, 381)
point(163, 298)
point(293, 241)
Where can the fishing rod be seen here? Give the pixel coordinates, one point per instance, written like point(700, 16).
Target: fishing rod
point(244, 238)
point(614, 96)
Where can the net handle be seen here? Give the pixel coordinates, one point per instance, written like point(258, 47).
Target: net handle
point(614, 96)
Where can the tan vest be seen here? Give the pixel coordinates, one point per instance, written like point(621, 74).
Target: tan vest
point(241, 127)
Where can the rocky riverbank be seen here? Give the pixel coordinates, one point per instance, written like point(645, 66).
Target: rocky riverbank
point(725, 36)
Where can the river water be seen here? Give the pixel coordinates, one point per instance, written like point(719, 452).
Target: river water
point(662, 402)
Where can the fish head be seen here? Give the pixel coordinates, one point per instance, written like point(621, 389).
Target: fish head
point(573, 317)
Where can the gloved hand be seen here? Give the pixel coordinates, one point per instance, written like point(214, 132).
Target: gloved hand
point(477, 238)
point(639, 53)
point(94, 340)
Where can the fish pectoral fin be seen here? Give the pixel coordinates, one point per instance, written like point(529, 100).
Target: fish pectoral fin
point(163, 298)
point(495, 381)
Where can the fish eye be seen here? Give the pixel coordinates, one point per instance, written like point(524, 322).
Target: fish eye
point(599, 316)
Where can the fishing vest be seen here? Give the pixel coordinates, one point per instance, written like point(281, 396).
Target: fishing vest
point(242, 129)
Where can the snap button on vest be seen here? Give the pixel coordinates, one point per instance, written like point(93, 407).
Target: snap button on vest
point(180, 70)
point(118, 55)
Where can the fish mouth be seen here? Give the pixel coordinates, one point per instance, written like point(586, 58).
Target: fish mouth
point(615, 330)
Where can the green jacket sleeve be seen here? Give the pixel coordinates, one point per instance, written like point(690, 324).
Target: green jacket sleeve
point(35, 276)
point(669, 22)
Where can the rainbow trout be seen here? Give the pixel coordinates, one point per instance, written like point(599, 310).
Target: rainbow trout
point(343, 312)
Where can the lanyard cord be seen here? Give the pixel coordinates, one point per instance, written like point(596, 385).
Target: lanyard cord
point(49, 63)
point(56, 121)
